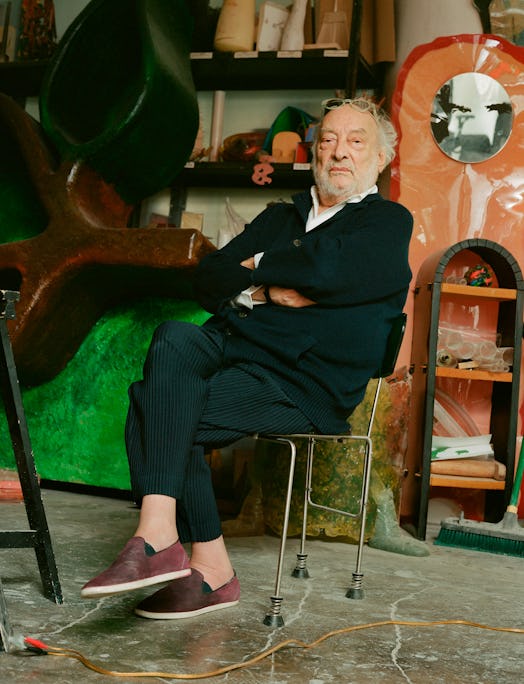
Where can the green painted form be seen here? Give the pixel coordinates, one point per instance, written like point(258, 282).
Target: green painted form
point(76, 425)
point(76, 421)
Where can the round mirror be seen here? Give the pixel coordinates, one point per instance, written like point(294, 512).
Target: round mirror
point(471, 117)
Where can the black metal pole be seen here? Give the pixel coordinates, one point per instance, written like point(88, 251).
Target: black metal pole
point(38, 536)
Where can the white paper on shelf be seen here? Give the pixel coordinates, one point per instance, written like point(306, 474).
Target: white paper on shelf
point(443, 448)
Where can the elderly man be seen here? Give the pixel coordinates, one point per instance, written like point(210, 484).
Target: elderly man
point(302, 301)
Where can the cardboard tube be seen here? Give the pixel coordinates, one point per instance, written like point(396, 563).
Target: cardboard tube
point(217, 123)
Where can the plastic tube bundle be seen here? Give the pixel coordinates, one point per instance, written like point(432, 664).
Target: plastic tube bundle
point(456, 346)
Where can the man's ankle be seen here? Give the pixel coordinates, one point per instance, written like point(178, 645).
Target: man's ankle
point(214, 577)
point(156, 543)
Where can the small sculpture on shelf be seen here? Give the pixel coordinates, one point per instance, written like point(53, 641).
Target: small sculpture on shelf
point(480, 275)
point(293, 34)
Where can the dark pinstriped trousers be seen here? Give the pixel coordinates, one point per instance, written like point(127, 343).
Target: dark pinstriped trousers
point(189, 399)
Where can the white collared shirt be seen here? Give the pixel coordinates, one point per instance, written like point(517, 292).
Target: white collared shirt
point(315, 219)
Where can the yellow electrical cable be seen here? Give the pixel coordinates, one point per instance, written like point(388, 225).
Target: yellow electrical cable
point(70, 653)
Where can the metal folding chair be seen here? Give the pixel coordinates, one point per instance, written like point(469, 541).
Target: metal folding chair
point(273, 618)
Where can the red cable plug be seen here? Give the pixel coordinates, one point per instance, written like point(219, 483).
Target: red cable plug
point(36, 645)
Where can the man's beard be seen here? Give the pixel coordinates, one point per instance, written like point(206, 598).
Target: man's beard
point(326, 187)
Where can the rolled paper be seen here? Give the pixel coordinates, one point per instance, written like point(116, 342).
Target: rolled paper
point(487, 350)
point(506, 353)
point(466, 350)
point(217, 123)
point(496, 366)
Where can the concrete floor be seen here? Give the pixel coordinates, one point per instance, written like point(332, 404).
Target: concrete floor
point(449, 584)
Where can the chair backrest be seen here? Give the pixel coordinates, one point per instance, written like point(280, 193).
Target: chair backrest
point(395, 337)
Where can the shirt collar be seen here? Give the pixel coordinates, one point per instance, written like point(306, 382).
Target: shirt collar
point(351, 200)
point(315, 219)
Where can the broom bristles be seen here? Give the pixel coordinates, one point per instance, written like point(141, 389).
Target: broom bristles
point(505, 537)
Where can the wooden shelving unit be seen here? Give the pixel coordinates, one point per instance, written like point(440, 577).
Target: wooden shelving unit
point(238, 174)
point(431, 293)
point(473, 375)
point(278, 70)
point(232, 71)
point(323, 69)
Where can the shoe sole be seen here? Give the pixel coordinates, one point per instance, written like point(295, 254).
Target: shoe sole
point(187, 614)
point(112, 589)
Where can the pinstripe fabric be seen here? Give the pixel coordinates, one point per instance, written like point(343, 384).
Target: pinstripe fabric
point(189, 399)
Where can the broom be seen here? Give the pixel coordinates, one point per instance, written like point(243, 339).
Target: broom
point(505, 537)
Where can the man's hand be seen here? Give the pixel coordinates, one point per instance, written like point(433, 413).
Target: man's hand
point(286, 296)
point(283, 296)
point(249, 263)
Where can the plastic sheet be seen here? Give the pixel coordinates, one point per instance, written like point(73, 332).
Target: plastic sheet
point(388, 535)
point(235, 225)
point(451, 418)
point(77, 426)
point(453, 200)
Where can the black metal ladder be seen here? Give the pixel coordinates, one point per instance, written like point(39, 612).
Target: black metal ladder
point(37, 536)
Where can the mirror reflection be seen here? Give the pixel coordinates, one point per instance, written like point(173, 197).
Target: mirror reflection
point(471, 117)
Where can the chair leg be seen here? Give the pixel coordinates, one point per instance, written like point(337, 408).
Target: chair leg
point(273, 618)
point(355, 591)
point(301, 570)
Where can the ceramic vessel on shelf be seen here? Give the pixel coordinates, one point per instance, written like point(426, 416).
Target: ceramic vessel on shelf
point(293, 34)
point(235, 30)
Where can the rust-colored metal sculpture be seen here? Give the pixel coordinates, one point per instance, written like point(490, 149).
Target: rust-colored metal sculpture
point(85, 260)
point(118, 120)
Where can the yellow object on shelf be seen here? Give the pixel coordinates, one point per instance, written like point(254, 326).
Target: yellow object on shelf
point(235, 30)
point(284, 147)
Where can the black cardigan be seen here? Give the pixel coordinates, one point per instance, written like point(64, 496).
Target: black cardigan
point(354, 266)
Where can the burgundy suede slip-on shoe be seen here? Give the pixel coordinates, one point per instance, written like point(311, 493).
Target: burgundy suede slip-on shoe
point(138, 565)
point(188, 597)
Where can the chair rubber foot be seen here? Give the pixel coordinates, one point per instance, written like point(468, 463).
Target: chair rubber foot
point(353, 593)
point(301, 573)
point(274, 620)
